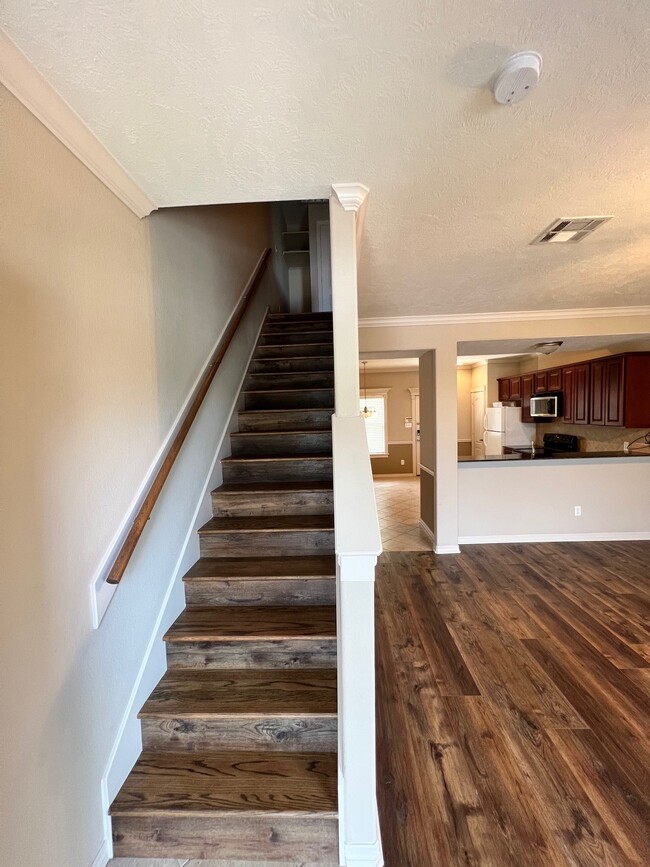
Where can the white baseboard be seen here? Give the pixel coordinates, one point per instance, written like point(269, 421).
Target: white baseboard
point(104, 855)
point(446, 549)
point(101, 593)
point(378, 476)
point(128, 741)
point(427, 529)
point(632, 536)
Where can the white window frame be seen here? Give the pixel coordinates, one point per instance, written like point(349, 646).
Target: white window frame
point(379, 392)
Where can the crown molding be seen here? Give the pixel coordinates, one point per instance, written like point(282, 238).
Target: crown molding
point(511, 316)
point(350, 196)
point(21, 78)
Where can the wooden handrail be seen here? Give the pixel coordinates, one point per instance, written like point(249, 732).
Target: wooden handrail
point(128, 546)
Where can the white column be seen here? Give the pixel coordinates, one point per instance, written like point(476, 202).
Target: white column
point(446, 469)
point(345, 203)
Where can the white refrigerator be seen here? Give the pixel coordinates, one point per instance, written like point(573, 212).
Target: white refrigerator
point(504, 427)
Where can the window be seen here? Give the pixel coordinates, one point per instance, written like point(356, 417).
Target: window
point(376, 424)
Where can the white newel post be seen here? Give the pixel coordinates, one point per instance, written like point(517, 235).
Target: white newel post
point(357, 543)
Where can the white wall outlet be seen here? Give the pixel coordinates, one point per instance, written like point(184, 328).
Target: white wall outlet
point(626, 446)
point(577, 511)
point(402, 463)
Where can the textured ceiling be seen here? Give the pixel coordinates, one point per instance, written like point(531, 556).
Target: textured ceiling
point(224, 102)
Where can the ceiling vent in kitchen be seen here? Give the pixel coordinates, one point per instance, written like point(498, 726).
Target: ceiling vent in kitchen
point(569, 230)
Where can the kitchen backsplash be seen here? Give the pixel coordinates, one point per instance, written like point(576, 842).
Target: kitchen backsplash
point(593, 438)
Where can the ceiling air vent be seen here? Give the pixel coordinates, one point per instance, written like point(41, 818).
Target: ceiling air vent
point(569, 230)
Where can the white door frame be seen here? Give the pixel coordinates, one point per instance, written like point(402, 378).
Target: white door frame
point(482, 390)
point(415, 393)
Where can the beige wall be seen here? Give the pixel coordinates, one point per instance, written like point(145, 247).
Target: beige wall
point(400, 447)
point(106, 322)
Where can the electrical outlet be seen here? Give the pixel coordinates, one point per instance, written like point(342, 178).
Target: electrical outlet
point(577, 511)
point(402, 463)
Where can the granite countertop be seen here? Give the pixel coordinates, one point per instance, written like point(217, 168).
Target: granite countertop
point(560, 456)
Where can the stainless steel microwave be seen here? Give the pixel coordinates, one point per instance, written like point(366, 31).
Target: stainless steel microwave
point(546, 406)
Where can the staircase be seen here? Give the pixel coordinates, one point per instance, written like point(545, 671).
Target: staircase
point(240, 736)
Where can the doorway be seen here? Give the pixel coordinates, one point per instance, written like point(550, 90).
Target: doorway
point(477, 397)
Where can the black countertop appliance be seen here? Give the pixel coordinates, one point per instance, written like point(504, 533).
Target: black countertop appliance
point(554, 443)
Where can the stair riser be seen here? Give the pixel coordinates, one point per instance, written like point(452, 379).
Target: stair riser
point(262, 544)
point(300, 379)
point(290, 327)
point(282, 338)
point(298, 399)
point(300, 317)
point(276, 733)
point(314, 419)
point(286, 350)
point(277, 653)
point(282, 444)
point(297, 839)
point(265, 591)
point(234, 505)
point(282, 471)
point(289, 365)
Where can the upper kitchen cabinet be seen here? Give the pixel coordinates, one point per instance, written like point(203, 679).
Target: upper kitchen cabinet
point(614, 390)
point(619, 390)
point(541, 381)
point(555, 379)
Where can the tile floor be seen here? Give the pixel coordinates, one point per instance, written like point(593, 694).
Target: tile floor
point(398, 505)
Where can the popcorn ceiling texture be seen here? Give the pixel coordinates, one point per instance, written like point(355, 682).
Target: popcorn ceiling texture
point(230, 102)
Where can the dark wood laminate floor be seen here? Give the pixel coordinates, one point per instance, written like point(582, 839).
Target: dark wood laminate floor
point(513, 706)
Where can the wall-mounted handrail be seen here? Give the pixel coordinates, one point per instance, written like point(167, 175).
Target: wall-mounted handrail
point(140, 521)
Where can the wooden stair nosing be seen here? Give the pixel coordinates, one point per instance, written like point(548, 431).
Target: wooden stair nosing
point(268, 524)
point(255, 568)
point(252, 624)
point(306, 487)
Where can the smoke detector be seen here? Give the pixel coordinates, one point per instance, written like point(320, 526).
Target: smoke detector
point(517, 77)
point(569, 230)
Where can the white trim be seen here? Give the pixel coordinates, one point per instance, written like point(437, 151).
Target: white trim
point(101, 593)
point(405, 475)
point(446, 549)
point(400, 442)
point(427, 529)
point(626, 536)
point(468, 440)
point(415, 392)
point(37, 95)
point(427, 470)
point(104, 855)
point(351, 196)
point(513, 315)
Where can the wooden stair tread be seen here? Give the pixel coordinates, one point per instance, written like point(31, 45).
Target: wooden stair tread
point(164, 784)
point(244, 692)
point(316, 431)
point(290, 409)
point(305, 487)
point(268, 523)
point(278, 391)
point(275, 458)
point(209, 568)
point(241, 623)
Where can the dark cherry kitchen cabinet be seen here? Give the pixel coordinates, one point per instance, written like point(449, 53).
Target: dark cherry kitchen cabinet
point(636, 389)
point(614, 392)
point(581, 399)
point(504, 389)
point(569, 391)
point(527, 391)
point(555, 379)
point(541, 381)
point(598, 391)
point(515, 388)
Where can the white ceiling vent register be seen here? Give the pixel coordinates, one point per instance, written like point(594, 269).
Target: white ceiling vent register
point(569, 230)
